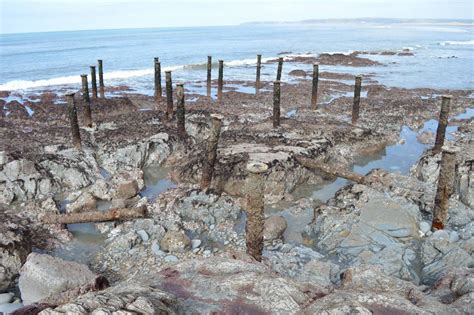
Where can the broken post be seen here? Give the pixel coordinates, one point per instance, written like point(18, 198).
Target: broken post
point(93, 82)
point(212, 143)
point(314, 92)
point(332, 170)
point(95, 216)
point(442, 123)
point(209, 75)
point(220, 81)
point(447, 172)
point(356, 105)
point(157, 80)
point(259, 66)
point(180, 112)
point(276, 104)
point(280, 68)
point(101, 79)
point(169, 96)
point(72, 113)
point(87, 101)
point(254, 206)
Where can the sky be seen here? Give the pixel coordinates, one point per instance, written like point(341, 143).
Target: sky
point(19, 16)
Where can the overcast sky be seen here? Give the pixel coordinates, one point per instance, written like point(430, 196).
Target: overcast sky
point(57, 15)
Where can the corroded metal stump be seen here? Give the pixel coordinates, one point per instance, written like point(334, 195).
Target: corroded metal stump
point(169, 96)
point(280, 68)
point(356, 104)
point(220, 81)
point(276, 104)
point(212, 143)
point(157, 65)
point(87, 101)
point(101, 79)
point(180, 111)
point(446, 178)
point(72, 113)
point(209, 75)
point(93, 82)
point(442, 123)
point(254, 206)
point(257, 79)
point(314, 91)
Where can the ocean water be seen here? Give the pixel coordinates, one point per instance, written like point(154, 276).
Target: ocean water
point(444, 55)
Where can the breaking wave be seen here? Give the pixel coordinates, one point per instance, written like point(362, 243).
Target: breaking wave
point(449, 42)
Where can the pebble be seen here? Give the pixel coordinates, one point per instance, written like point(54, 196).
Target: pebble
point(195, 243)
point(6, 297)
point(171, 258)
point(454, 237)
point(425, 227)
point(212, 227)
point(155, 248)
point(143, 235)
point(441, 234)
point(196, 250)
point(207, 252)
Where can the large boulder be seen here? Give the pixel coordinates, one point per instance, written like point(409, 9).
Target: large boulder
point(14, 248)
point(43, 275)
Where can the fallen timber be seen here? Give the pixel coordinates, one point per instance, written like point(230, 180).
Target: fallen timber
point(333, 170)
point(95, 216)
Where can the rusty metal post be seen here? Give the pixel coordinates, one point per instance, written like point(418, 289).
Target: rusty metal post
point(169, 95)
point(314, 92)
point(209, 75)
point(356, 105)
point(220, 81)
point(93, 82)
point(180, 111)
point(101, 79)
point(72, 113)
point(254, 206)
point(442, 123)
point(212, 143)
point(446, 177)
point(280, 68)
point(157, 81)
point(276, 104)
point(257, 79)
point(87, 101)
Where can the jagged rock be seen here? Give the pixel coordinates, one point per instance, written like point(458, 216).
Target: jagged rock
point(274, 227)
point(127, 190)
point(85, 202)
point(43, 275)
point(175, 241)
point(14, 248)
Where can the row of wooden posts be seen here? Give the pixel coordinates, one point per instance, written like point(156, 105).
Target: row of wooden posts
point(254, 204)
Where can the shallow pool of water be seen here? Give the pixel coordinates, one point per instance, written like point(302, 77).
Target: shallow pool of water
point(156, 182)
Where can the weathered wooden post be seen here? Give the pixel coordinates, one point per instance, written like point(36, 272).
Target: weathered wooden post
point(447, 172)
point(169, 95)
point(101, 79)
point(157, 81)
point(220, 81)
point(280, 68)
point(314, 92)
point(276, 104)
point(356, 105)
point(212, 142)
point(93, 82)
point(180, 111)
point(257, 80)
point(254, 206)
point(87, 101)
point(72, 113)
point(442, 123)
point(209, 75)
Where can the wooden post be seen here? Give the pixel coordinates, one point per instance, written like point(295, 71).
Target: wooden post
point(332, 170)
point(95, 216)
point(209, 75)
point(254, 206)
point(276, 104)
point(212, 143)
point(442, 123)
point(72, 113)
point(447, 172)
point(93, 82)
point(169, 95)
point(101, 79)
point(257, 80)
point(314, 92)
point(356, 105)
point(87, 101)
point(157, 81)
point(280, 68)
point(180, 111)
point(220, 81)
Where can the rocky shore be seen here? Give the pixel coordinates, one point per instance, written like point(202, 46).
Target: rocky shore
point(368, 249)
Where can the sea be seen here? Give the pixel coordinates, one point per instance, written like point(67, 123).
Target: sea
point(34, 62)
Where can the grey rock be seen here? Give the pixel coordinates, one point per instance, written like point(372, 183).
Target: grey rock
point(175, 241)
point(85, 202)
point(171, 259)
point(425, 227)
point(453, 237)
point(44, 275)
point(143, 235)
point(6, 297)
point(274, 227)
point(441, 234)
point(10, 308)
point(127, 190)
point(196, 243)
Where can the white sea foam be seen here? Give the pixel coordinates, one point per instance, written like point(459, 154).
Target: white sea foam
point(450, 42)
